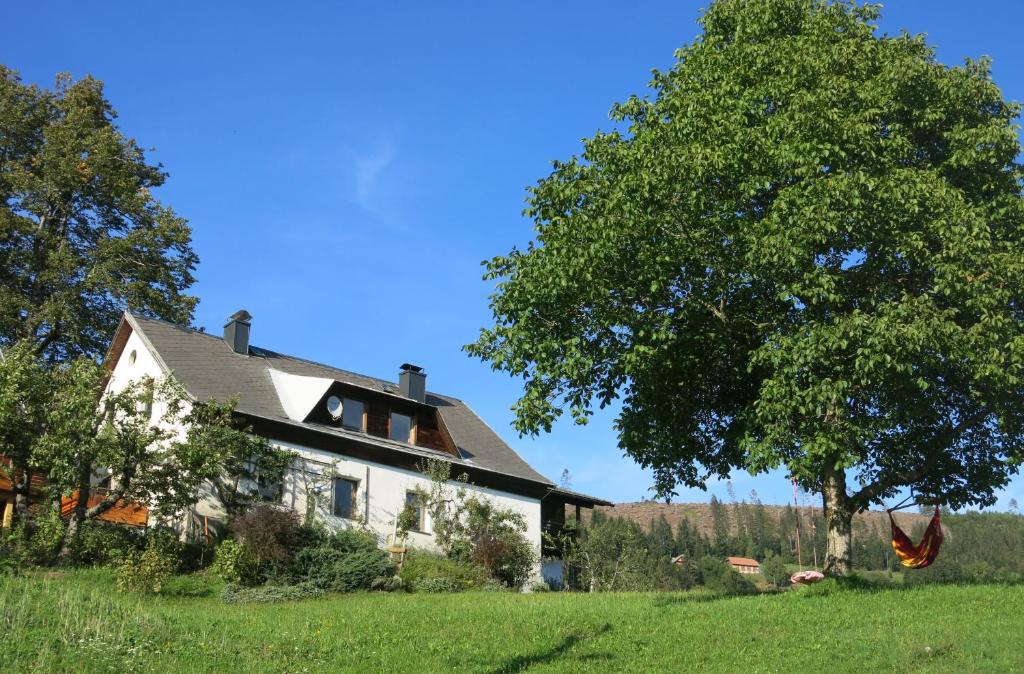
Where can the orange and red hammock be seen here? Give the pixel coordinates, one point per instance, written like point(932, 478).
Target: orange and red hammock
point(924, 553)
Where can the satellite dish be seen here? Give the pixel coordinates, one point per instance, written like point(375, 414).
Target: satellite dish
point(334, 407)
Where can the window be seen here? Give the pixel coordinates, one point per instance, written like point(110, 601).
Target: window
point(401, 427)
point(414, 503)
point(132, 356)
point(268, 487)
point(344, 498)
point(352, 414)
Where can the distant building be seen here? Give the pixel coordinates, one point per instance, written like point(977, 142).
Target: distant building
point(744, 564)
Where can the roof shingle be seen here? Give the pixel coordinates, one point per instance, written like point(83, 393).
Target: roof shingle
point(207, 368)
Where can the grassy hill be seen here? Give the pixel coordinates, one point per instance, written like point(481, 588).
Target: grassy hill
point(80, 622)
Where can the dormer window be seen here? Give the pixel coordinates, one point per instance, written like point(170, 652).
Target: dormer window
point(401, 427)
point(352, 414)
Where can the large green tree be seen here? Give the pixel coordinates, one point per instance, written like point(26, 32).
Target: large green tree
point(81, 235)
point(804, 250)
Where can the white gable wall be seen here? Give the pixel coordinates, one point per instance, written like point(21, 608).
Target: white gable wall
point(145, 365)
point(137, 362)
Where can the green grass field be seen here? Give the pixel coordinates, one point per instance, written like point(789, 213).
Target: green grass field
point(80, 622)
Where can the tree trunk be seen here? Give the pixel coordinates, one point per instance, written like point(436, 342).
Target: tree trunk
point(838, 523)
point(21, 483)
point(74, 527)
point(21, 506)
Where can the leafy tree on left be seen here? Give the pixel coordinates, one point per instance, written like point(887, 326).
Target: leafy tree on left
point(54, 424)
point(81, 235)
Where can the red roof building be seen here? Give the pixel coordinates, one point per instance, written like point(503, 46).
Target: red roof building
point(744, 564)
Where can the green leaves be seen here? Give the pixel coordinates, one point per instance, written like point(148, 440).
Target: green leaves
point(81, 236)
point(806, 252)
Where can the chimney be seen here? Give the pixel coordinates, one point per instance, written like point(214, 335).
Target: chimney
point(236, 331)
point(412, 382)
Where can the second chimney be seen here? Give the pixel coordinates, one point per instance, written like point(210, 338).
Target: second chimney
point(236, 331)
point(412, 382)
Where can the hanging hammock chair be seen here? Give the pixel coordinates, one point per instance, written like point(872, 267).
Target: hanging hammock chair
point(924, 553)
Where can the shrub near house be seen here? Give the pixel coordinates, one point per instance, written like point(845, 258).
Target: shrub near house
point(270, 548)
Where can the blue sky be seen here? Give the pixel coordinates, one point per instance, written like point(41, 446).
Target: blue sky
point(346, 166)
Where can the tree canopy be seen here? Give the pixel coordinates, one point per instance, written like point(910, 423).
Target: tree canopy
point(52, 426)
point(81, 235)
point(805, 249)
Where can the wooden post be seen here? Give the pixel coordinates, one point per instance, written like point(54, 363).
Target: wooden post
point(8, 513)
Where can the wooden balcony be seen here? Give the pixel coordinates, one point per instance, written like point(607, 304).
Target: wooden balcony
point(123, 512)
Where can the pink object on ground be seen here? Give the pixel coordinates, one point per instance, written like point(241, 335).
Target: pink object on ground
point(806, 578)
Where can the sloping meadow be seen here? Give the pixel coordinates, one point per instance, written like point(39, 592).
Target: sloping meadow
point(78, 621)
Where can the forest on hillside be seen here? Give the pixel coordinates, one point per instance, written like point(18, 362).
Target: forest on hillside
point(978, 547)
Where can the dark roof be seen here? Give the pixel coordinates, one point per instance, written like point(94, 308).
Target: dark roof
point(207, 368)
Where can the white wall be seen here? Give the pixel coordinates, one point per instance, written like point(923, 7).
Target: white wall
point(380, 495)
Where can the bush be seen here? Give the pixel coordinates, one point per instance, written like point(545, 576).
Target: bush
point(165, 541)
point(492, 585)
point(387, 584)
point(270, 534)
point(37, 542)
point(421, 569)
point(774, 571)
point(952, 572)
point(539, 586)
point(609, 554)
point(147, 571)
point(265, 594)
point(490, 537)
point(232, 563)
point(438, 584)
point(100, 544)
point(339, 570)
point(196, 556)
point(348, 540)
point(340, 561)
point(8, 563)
point(507, 555)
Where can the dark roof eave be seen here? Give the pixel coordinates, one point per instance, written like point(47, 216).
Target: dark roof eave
point(578, 498)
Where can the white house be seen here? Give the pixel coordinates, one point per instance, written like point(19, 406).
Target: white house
point(358, 440)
